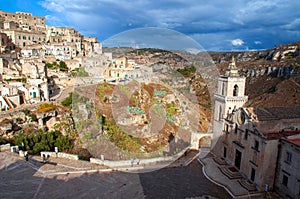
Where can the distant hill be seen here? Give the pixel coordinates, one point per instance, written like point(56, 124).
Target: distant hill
point(273, 75)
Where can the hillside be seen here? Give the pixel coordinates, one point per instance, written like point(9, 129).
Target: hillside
point(272, 74)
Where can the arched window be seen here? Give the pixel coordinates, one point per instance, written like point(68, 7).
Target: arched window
point(235, 90)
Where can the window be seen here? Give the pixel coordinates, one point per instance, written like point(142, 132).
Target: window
point(235, 90)
point(288, 157)
point(24, 37)
point(252, 178)
point(256, 145)
point(285, 180)
point(246, 134)
point(225, 152)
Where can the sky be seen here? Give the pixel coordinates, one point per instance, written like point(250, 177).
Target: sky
point(216, 25)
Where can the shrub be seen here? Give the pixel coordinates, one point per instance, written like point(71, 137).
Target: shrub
point(63, 66)
point(46, 107)
point(187, 71)
point(39, 141)
point(68, 101)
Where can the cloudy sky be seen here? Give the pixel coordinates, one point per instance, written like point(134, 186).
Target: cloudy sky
point(217, 25)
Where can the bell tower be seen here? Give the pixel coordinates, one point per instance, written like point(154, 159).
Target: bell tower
point(230, 95)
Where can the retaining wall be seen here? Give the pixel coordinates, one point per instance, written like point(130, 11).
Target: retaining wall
point(60, 155)
point(5, 147)
point(122, 163)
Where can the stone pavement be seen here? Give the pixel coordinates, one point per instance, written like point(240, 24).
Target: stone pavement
point(57, 179)
point(61, 178)
point(212, 171)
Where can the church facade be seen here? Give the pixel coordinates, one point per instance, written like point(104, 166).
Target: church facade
point(249, 136)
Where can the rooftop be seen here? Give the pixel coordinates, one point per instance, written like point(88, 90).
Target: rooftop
point(294, 141)
point(278, 135)
point(275, 113)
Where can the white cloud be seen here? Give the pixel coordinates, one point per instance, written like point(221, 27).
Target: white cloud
point(54, 20)
point(237, 42)
point(219, 24)
point(257, 42)
point(294, 25)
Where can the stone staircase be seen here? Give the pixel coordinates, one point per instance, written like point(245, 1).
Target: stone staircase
point(227, 171)
point(247, 185)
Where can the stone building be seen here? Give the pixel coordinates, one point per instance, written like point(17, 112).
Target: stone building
point(22, 38)
point(122, 68)
point(288, 175)
point(25, 20)
point(23, 28)
point(63, 35)
point(230, 95)
point(6, 44)
point(249, 136)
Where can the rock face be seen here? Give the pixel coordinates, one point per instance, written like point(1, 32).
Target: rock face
point(5, 125)
point(51, 123)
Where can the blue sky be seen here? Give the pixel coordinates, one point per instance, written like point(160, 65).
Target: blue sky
point(217, 25)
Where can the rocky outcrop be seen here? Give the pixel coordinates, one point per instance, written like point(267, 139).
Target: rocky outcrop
point(6, 125)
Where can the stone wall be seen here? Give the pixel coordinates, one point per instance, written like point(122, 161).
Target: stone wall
point(5, 147)
point(142, 162)
point(288, 167)
point(76, 81)
point(60, 155)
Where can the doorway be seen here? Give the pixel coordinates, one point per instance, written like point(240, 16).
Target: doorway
point(238, 159)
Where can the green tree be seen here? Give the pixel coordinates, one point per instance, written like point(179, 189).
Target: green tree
point(63, 66)
point(39, 141)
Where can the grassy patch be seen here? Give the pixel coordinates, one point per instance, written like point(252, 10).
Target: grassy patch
point(46, 107)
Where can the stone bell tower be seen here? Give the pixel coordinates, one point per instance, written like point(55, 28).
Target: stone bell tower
point(230, 95)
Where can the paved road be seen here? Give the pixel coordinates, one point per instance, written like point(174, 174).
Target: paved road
point(19, 179)
point(63, 94)
point(180, 182)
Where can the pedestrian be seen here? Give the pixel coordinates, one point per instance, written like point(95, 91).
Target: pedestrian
point(138, 161)
point(132, 161)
